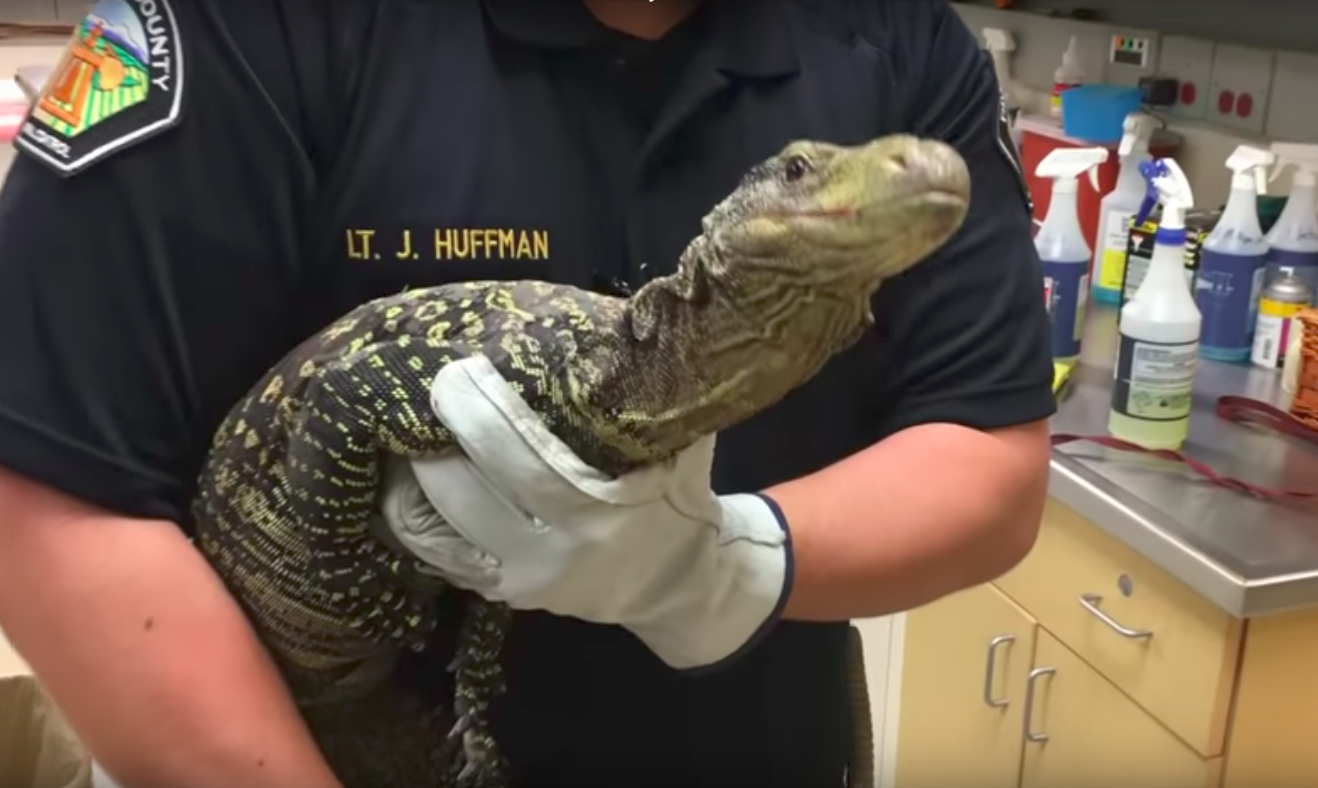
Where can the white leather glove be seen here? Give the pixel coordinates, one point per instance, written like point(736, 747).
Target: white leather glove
point(696, 577)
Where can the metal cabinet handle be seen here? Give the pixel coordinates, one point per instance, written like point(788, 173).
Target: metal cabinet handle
point(1028, 724)
point(1090, 603)
point(991, 668)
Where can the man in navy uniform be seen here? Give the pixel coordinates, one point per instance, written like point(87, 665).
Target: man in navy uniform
point(203, 183)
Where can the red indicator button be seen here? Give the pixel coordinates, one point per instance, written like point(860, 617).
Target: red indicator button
point(1244, 105)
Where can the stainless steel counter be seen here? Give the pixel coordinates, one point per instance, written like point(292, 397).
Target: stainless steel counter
point(1247, 555)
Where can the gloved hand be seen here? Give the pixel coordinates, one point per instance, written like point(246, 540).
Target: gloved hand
point(695, 576)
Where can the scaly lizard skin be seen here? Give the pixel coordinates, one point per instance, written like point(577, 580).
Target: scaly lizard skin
point(780, 279)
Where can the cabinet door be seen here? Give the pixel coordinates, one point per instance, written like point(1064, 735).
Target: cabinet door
point(963, 692)
point(1082, 732)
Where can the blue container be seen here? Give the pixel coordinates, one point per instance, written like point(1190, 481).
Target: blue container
point(1095, 113)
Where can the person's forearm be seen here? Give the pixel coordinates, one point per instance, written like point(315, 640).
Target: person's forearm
point(140, 644)
point(929, 511)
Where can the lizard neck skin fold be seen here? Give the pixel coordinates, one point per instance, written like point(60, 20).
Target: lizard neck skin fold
point(700, 350)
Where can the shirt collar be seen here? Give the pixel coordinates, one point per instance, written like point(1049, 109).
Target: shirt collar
point(750, 38)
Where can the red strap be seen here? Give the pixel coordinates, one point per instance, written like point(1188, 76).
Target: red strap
point(1237, 409)
point(1244, 410)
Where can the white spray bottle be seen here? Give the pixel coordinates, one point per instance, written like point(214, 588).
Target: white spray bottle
point(1231, 262)
point(1062, 247)
point(1293, 240)
point(1160, 324)
point(1000, 45)
point(1119, 206)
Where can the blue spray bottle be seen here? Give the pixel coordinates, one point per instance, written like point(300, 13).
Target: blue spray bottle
point(1293, 240)
point(1231, 262)
point(1062, 247)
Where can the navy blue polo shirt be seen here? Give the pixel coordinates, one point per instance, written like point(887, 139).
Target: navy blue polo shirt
point(175, 224)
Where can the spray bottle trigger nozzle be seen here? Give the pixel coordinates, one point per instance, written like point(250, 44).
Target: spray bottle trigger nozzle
point(1137, 127)
point(1151, 171)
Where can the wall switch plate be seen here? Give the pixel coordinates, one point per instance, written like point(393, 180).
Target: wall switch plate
point(1242, 82)
point(1132, 54)
point(1293, 104)
point(1129, 51)
point(1189, 61)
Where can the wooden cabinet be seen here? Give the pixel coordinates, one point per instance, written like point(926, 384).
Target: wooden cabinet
point(963, 692)
point(990, 698)
point(1082, 732)
point(1172, 651)
point(1105, 671)
point(1085, 667)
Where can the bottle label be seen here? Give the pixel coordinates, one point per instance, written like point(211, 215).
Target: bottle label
point(1227, 294)
point(1272, 334)
point(1065, 293)
point(1116, 240)
point(1154, 380)
point(1058, 89)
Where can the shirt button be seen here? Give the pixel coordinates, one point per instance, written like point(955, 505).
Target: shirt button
point(619, 62)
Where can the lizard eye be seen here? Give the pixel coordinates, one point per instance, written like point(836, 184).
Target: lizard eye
point(795, 169)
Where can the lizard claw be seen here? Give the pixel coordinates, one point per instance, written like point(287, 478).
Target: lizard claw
point(460, 728)
point(478, 764)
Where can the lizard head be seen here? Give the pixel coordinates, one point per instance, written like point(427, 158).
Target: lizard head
point(830, 216)
point(779, 281)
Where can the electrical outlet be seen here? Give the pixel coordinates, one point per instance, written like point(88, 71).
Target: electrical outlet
point(1189, 61)
point(1293, 105)
point(1242, 82)
point(1131, 54)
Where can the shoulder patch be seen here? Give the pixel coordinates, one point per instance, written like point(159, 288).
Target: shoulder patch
point(120, 81)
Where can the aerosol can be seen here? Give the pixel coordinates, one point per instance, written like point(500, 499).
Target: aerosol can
point(1293, 240)
point(1283, 298)
point(1062, 247)
point(1159, 328)
point(1120, 204)
point(1231, 262)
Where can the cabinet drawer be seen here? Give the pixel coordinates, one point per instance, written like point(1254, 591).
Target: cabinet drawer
point(1172, 651)
point(1081, 732)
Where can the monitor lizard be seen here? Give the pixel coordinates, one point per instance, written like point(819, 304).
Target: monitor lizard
point(779, 281)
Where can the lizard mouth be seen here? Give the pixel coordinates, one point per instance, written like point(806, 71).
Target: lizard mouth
point(943, 197)
point(949, 198)
point(819, 213)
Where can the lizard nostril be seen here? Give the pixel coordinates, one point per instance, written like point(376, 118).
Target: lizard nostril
point(900, 161)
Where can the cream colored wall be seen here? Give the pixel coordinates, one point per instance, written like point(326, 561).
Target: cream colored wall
point(12, 56)
point(877, 636)
point(10, 662)
point(1205, 147)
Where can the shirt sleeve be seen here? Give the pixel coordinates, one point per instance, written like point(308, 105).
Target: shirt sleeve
point(141, 295)
point(968, 327)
